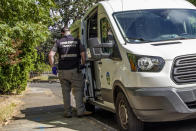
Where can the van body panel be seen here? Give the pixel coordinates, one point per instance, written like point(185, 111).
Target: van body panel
point(108, 68)
point(153, 96)
point(167, 51)
point(126, 5)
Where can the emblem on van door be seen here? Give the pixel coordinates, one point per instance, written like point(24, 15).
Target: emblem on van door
point(108, 77)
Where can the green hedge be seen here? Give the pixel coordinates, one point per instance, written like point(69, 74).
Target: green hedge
point(23, 26)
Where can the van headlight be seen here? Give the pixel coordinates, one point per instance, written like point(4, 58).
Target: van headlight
point(145, 63)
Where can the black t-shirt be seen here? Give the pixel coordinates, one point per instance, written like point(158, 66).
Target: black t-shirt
point(69, 50)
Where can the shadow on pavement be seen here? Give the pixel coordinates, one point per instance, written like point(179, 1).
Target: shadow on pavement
point(187, 125)
point(49, 117)
point(109, 118)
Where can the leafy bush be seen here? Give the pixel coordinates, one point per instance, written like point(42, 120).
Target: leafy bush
point(23, 26)
point(192, 1)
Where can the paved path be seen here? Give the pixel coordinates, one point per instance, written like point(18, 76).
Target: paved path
point(43, 111)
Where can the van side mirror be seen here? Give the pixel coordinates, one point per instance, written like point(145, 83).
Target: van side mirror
point(94, 50)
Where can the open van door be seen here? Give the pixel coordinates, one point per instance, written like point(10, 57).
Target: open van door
point(92, 71)
point(96, 51)
point(88, 83)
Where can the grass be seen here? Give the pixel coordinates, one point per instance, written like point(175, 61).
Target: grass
point(6, 112)
point(39, 78)
point(44, 78)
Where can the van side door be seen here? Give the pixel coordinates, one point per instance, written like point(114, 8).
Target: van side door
point(108, 66)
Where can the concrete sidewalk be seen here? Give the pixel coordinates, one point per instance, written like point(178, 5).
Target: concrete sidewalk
point(43, 110)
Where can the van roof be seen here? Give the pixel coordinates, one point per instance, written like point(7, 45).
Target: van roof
point(125, 5)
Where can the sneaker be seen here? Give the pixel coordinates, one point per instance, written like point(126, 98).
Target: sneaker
point(85, 113)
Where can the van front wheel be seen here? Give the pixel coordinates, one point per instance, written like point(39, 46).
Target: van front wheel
point(126, 118)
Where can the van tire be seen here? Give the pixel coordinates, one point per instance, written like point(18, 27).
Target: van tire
point(125, 116)
point(90, 107)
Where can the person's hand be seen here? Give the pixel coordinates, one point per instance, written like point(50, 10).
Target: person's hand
point(54, 70)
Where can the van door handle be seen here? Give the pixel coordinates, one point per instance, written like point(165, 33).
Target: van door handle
point(100, 62)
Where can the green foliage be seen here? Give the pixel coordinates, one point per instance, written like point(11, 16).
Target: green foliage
point(42, 63)
point(73, 9)
point(23, 26)
point(192, 1)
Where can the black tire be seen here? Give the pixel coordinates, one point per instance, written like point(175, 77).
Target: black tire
point(90, 107)
point(125, 116)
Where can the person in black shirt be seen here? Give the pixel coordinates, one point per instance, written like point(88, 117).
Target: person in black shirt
point(71, 54)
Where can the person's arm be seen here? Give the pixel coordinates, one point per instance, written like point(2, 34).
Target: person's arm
point(82, 54)
point(83, 58)
point(52, 54)
point(51, 58)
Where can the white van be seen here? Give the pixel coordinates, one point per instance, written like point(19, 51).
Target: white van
point(141, 60)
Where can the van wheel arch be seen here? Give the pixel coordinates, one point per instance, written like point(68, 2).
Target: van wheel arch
point(118, 87)
point(134, 124)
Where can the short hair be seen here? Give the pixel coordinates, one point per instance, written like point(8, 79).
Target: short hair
point(64, 29)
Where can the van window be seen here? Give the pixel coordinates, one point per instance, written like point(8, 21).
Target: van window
point(157, 25)
point(108, 37)
point(106, 32)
